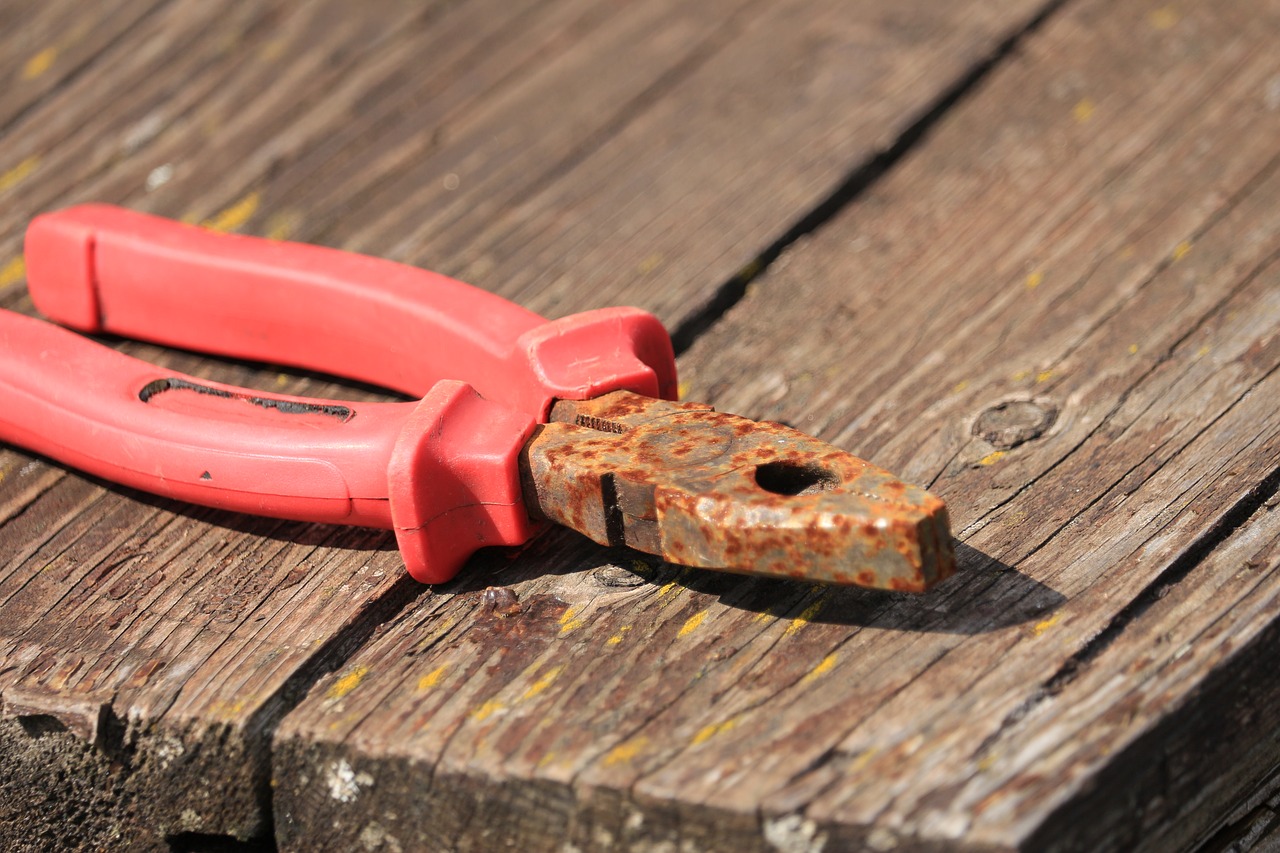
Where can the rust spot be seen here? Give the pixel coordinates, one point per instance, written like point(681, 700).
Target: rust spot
point(538, 617)
point(501, 601)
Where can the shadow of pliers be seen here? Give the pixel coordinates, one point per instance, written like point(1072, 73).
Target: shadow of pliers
point(520, 420)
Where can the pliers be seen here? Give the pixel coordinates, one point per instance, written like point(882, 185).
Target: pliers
point(520, 420)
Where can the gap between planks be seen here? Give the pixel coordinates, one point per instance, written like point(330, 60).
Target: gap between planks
point(861, 178)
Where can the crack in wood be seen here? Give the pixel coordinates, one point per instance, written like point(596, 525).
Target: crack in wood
point(1123, 398)
point(861, 178)
point(1163, 265)
point(1196, 552)
point(1261, 495)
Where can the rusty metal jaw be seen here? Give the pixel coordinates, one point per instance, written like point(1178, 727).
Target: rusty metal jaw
point(703, 488)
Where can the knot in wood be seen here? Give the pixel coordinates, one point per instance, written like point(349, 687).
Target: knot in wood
point(1013, 422)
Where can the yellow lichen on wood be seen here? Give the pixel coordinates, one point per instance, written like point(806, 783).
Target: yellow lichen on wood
point(432, 678)
point(691, 624)
point(649, 264)
point(488, 709)
point(750, 271)
point(547, 679)
point(13, 272)
point(1034, 280)
point(1045, 625)
point(824, 666)
point(19, 173)
point(40, 63)
point(1164, 18)
point(230, 710)
point(348, 682)
point(862, 759)
point(992, 458)
point(806, 616)
point(569, 621)
point(617, 638)
point(706, 733)
point(231, 218)
point(625, 751)
point(282, 225)
point(272, 50)
point(1084, 110)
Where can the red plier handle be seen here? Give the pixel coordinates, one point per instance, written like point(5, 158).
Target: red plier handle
point(442, 472)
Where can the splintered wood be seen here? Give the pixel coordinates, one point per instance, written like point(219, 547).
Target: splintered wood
point(1055, 302)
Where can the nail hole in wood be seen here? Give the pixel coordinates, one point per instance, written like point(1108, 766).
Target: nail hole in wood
point(1013, 422)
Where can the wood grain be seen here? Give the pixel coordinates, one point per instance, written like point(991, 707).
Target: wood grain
point(1087, 248)
point(149, 649)
point(44, 46)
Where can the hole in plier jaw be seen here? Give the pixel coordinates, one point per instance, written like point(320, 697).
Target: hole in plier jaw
point(795, 478)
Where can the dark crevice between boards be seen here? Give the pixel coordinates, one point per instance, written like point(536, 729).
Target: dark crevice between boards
point(863, 176)
point(329, 658)
point(1260, 496)
point(1254, 824)
point(1185, 772)
point(1263, 495)
point(199, 842)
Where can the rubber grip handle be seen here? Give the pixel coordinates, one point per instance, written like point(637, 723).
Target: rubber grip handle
point(441, 472)
point(133, 423)
point(99, 268)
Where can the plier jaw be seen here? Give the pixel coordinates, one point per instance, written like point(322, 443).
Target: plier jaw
point(703, 488)
point(520, 419)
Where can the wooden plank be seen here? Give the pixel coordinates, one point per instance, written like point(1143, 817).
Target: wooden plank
point(149, 649)
point(1093, 234)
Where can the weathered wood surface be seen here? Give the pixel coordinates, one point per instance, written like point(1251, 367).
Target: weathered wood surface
point(1096, 233)
point(1063, 311)
point(1254, 824)
point(568, 154)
